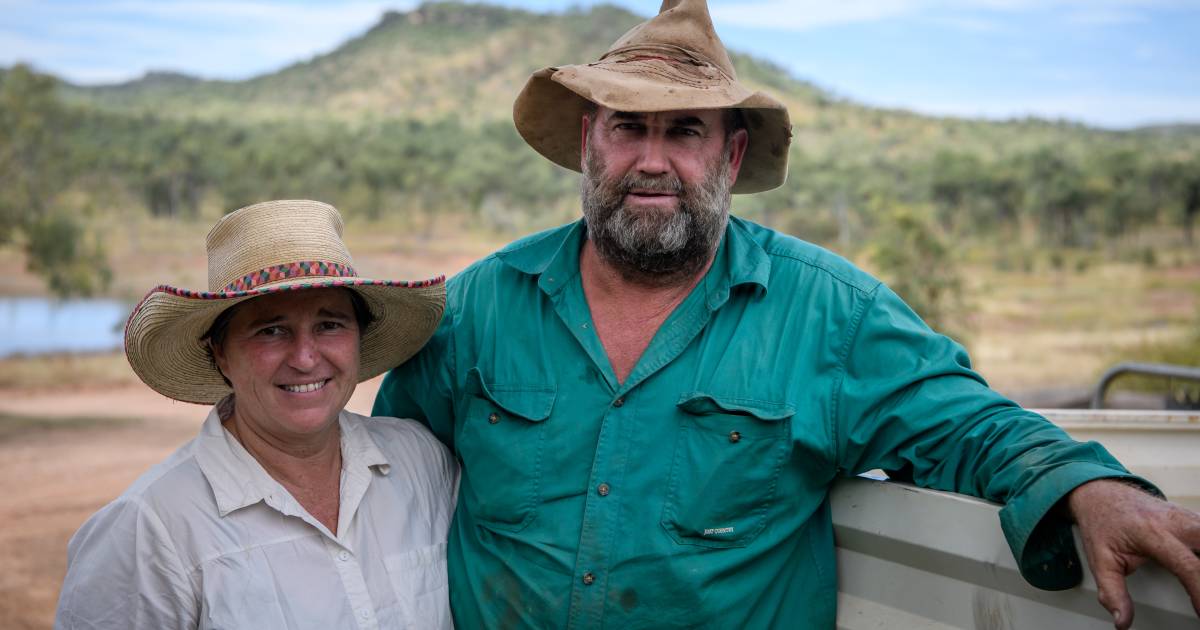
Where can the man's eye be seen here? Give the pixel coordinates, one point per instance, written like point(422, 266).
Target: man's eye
point(331, 325)
point(685, 131)
point(630, 126)
point(271, 331)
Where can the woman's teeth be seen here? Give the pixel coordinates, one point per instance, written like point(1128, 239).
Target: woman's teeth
point(303, 389)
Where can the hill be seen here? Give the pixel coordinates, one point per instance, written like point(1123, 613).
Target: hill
point(466, 60)
point(413, 117)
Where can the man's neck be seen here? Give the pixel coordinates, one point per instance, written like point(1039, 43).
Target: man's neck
point(627, 313)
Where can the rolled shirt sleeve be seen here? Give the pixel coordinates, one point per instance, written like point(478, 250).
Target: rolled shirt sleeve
point(907, 400)
point(123, 572)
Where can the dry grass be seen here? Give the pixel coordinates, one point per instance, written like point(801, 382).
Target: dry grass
point(65, 372)
point(12, 426)
point(1048, 326)
point(1064, 328)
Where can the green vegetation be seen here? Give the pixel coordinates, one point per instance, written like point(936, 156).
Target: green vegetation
point(915, 259)
point(413, 120)
point(13, 427)
point(65, 371)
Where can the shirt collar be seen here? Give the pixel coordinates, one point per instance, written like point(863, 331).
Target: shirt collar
point(238, 480)
point(554, 256)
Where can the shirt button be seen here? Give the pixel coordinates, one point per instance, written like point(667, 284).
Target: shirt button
point(364, 613)
point(618, 402)
point(602, 489)
point(588, 578)
point(735, 437)
point(343, 555)
point(493, 417)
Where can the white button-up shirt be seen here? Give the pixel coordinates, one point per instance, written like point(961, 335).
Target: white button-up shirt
point(207, 539)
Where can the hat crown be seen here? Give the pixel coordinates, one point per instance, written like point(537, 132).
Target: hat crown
point(683, 24)
point(273, 233)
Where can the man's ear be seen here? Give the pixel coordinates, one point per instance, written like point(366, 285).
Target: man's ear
point(737, 150)
point(585, 124)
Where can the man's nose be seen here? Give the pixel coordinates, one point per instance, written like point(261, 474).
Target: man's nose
point(653, 157)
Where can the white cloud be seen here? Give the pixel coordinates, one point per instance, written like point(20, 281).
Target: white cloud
point(809, 14)
point(1113, 110)
point(229, 40)
point(1105, 17)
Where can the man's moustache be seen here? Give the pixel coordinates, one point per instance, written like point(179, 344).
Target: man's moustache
point(670, 185)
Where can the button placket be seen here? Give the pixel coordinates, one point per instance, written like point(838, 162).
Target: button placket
point(355, 585)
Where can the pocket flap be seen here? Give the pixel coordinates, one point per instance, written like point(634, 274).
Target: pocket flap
point(531, 402)
point(701, 403)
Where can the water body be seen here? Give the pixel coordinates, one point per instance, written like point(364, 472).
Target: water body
point(34, 325)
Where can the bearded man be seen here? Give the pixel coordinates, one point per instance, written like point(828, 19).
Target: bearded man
point(650, 404)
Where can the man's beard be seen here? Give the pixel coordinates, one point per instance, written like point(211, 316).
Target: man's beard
point(656, 246)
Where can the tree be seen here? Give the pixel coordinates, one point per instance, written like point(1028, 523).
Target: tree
point(34, 169)
point(1056, 194)
point(913, 257)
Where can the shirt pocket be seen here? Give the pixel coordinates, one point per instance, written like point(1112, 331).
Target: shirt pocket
point(500, 446)
point(729, 453)
point(419, 580)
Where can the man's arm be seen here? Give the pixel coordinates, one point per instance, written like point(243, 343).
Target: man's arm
point(422, 387)
point(908, 400)
point(1122, 527)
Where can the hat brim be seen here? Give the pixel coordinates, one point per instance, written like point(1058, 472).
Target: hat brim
point(548, 112)
point(163, 335)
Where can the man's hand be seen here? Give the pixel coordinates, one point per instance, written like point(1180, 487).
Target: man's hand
point(1122, 527)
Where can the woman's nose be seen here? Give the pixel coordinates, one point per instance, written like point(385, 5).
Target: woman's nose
point(304, 354)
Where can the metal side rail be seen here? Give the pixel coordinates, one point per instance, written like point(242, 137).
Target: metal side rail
point(914, 558)
point(1166, 371)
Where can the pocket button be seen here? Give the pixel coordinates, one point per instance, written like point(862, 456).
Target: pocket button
point(493, 417)
point(735, 437)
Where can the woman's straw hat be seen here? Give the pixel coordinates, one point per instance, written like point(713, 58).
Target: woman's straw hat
point(672, 61)
point(258, 250)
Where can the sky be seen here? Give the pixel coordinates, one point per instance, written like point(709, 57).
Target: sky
point(1110, 63)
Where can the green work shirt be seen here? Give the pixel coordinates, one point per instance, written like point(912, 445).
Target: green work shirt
point(696, 492)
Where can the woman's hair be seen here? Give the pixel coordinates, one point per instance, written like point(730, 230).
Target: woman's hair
point(215, 335)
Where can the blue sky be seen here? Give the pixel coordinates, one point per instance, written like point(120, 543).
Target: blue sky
point(1115, 63)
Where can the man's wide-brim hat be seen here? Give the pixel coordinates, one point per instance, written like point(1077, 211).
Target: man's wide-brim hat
point(259, 250)
point(672, 61)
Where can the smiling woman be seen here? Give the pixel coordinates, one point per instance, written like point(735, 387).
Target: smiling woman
point(271, 517)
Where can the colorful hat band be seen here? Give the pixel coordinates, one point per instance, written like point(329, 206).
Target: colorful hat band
point(300, 269)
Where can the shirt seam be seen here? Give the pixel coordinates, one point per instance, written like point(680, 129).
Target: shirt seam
point(836, 275)
point(254, 547)
point(149, 512)
point(840, 374)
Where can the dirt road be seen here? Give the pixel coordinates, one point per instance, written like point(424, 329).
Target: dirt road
point(71, 453)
